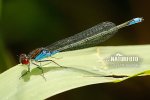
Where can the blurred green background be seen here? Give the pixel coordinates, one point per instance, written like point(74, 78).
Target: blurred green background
point(29, 24)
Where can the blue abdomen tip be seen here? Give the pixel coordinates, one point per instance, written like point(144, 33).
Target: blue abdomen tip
point(135, 20)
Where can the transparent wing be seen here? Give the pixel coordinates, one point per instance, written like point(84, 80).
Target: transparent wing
point(88, 38)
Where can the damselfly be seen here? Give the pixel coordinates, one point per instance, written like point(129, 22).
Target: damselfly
point(88, 38)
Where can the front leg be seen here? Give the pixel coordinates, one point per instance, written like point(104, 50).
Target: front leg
point(25, 72)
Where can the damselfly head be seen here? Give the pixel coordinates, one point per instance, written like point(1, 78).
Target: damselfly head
point(24, 59)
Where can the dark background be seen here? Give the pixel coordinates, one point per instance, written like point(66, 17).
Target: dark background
point(28, 24)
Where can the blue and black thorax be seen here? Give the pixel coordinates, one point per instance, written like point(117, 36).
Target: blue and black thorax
point(41, 53)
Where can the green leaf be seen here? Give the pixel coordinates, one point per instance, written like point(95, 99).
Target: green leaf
point(83, 67)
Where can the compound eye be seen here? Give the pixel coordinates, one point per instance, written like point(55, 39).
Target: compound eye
point(23, 59)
